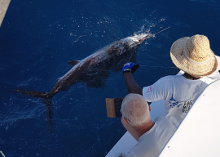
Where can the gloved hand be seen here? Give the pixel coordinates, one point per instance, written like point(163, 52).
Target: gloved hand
point(130, 67)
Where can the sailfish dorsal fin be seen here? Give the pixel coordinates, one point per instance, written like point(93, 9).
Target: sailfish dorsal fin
point(73, 62)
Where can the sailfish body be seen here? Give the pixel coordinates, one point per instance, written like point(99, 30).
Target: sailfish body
point(94, 69)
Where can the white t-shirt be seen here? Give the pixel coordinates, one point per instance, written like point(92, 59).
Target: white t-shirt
point(153, 141)
point(178, 93)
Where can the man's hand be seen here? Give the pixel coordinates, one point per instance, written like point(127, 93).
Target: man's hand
point(130, 67)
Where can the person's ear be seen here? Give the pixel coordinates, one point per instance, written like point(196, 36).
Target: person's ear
point(126, 120)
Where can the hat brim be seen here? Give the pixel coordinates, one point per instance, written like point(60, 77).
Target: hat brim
point(197, 70)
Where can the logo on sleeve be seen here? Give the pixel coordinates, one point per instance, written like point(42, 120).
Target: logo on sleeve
point(149, 89)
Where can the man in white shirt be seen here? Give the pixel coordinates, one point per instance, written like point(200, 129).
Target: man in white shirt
point(151, 136)
point(192, 55)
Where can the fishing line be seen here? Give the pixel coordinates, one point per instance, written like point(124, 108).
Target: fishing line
point(156, 66)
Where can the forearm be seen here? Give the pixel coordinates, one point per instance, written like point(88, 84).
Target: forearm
point(131, 84)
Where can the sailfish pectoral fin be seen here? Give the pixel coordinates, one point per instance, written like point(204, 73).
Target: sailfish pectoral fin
point(95, 78)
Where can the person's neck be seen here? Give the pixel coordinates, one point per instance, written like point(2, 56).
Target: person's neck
point(142, 129)
point(188, 76)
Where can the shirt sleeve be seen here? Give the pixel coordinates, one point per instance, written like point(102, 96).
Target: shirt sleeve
point(159, 90)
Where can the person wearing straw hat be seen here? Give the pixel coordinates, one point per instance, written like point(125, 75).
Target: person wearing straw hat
point(152, 136)
point(195, 58)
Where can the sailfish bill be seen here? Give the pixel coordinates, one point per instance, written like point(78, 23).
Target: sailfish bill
point(94, 69)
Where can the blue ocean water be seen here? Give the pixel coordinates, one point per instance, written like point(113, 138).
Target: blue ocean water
point(37, 38)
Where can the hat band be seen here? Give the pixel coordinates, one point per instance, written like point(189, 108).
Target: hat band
point(191, 60)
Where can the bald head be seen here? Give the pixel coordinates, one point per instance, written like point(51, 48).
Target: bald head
point(135, 108)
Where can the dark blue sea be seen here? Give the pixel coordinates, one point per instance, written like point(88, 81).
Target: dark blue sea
point(38, 38)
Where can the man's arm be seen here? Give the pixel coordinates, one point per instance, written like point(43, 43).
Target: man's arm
point(131, 84)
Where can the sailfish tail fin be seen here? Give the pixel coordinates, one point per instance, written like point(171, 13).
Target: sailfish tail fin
point(49, 106)
point(47, 99)
point(32, 93)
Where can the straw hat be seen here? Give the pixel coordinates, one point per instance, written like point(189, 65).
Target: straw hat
point(194, 56)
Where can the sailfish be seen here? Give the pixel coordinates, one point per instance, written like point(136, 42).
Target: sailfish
point(94, 69)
